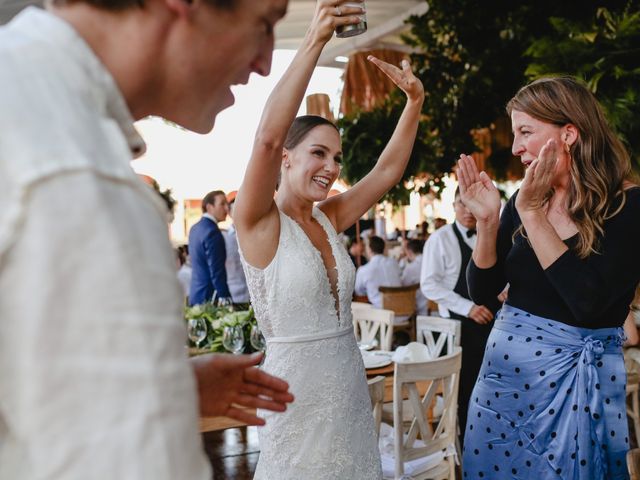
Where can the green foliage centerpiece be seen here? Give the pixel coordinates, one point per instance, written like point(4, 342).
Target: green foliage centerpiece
point(218, 317)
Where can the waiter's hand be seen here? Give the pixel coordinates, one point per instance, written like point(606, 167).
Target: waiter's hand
point(480, 314)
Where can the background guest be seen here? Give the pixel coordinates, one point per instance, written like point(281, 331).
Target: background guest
point(380, 270)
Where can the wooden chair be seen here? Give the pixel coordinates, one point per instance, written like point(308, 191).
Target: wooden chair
point(402, 302)
point(356, 305)
point(376, 392)
point(447, 334)
point(373, 325)
point(633, 463)
point(443, 376)
point(632, 366)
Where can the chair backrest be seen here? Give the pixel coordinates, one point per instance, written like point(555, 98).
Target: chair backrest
point(355, 305)
point(371, 324)
point(440, 335)
point(400, 300)
point(442, 375)
point(633, 463)
point(376, 392)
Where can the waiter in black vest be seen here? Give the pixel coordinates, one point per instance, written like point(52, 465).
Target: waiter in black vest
point(443, 280)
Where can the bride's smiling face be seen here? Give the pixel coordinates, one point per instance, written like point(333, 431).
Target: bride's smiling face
point(311, 167)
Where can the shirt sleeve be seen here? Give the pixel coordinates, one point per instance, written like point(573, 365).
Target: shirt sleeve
point(434, 282)
point(216, 254)
point(92, 361)
point(361, 287)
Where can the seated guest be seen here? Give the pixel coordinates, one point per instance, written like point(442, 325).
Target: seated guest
point(411, 272)
point(356, 252)
point(380, 271)
point(184, 268)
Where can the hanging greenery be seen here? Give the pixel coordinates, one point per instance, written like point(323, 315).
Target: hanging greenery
point(475, 54)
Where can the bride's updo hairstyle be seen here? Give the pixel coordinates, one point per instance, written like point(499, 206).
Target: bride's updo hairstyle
point(301, 126)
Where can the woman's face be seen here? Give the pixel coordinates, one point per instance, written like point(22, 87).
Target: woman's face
point(531, 134)
point(313, 165)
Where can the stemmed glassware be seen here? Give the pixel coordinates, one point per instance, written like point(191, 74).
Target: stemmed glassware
point(197, 330)
point(257, 339)
point(233, 338)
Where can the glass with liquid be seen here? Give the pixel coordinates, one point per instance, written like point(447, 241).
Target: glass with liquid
point(345, 31)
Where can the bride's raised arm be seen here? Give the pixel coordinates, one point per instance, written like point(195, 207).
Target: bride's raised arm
point(255, 211)
point(345, 209)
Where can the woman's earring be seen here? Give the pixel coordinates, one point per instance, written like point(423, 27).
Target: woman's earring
point(286, 164)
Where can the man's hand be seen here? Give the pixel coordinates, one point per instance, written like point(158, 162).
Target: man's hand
point(226, 382)
point(480, 314)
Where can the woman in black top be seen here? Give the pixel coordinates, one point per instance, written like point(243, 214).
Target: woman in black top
point(550, 399)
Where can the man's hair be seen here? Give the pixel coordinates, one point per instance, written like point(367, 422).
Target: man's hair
point(415, 246)
point(376, 244)
point(119, 5)
point(210, 199)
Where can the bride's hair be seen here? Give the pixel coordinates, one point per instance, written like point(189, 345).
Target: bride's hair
point(301, 126)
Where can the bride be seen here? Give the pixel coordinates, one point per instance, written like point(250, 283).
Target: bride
point(300, 276)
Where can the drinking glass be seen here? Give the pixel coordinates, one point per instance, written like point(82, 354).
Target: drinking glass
point(233, 338)
point(197, 330)
point(257, 339)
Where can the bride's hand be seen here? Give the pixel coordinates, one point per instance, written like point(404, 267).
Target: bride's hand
point(405, 79)
point(329, 15)
point(477, 191)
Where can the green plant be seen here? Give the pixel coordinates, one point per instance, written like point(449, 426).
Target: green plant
point(217, 318)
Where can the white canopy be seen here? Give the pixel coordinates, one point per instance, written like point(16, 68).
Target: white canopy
point(385, 19)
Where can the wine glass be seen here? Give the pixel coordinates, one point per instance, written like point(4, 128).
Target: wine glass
point(233, 338)
point(257, 339)
point(197, 330)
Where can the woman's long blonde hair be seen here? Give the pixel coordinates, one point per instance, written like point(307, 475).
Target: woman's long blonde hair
point(600, 163)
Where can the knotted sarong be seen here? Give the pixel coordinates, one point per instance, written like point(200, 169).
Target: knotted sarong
point(549, 403)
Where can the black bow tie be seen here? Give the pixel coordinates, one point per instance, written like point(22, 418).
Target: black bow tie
point(471, 232)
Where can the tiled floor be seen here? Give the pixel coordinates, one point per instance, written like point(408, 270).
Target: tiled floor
point(233, 452)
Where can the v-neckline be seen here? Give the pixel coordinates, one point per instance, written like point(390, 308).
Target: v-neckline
point(334, 294)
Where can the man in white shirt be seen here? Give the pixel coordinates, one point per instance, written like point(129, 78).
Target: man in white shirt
point(443, 280)
point(380, 271)
point(235, 274)
point(94, 377)
point(413, 269)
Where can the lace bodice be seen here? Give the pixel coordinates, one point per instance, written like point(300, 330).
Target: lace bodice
point(295, 284)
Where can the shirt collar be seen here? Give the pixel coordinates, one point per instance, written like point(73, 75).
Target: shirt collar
point(50, 28)
point(462, 228)
point(210, 217)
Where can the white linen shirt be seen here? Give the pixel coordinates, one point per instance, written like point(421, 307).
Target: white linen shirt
point(236, 279)
point(411, 276)
point(378, 271)
point(441, 264)
point(94, 379)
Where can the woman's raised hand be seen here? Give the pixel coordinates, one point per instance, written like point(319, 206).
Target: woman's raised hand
point(477, 191)
point(405, 79)
point(536, 185)
point(331, 14)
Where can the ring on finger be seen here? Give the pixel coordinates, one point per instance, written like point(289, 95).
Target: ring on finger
point(338, 11)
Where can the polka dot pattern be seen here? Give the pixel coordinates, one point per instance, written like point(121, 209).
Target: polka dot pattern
point(550, 400)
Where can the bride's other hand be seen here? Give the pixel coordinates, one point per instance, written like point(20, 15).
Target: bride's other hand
point(404, 78)
point(477, 191)
point(329, 15)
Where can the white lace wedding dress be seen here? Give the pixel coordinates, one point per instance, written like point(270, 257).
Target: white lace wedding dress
point(328, 432)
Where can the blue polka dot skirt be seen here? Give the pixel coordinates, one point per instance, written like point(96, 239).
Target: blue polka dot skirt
point(549, 403)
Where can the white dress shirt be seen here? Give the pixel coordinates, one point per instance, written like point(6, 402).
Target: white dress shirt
point(379, 271)
point(440, 269)
point(94, 378)
point(236, 280)
point(411, 276)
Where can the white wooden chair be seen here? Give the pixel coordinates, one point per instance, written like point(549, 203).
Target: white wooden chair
point(373, 326)
point(443, 376)
point(376, 392)
point(356, 305)
point(448, 334)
